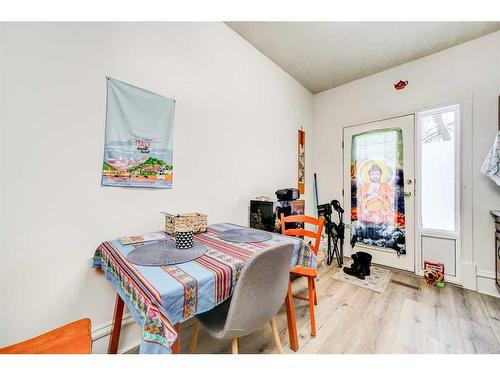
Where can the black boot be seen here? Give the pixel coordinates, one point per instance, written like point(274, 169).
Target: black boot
point(365, 260)
point(356, 268)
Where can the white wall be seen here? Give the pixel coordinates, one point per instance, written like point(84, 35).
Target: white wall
point(235, 137)
point(469, 75)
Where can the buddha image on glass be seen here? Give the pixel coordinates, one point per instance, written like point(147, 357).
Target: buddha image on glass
point(377, 200)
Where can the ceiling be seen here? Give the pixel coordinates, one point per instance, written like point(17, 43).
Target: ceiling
point(322, 55)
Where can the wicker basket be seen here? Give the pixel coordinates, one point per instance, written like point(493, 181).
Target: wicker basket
point(195, 221)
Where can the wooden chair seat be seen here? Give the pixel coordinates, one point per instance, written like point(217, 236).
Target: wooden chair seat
point(304, 271)
point(72, 338)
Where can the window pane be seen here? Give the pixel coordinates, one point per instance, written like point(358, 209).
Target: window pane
point(438, 171)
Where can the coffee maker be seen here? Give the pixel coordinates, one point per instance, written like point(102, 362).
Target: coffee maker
point(284, 205)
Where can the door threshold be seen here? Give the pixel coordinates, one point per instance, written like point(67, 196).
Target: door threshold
point(414, 275)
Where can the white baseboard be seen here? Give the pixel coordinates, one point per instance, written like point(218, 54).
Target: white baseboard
point(131, 349)
point(105, 329)
point(486, 283)
point(128, 337)
point(486, 274)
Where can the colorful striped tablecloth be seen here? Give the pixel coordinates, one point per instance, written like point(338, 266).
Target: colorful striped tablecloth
point(160, 297)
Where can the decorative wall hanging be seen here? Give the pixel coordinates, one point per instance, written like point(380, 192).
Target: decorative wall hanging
point(400, 85)
point(139, 137)
point(301, 162)
point(377, 199)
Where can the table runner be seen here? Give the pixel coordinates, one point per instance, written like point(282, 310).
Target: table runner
point(159, 297)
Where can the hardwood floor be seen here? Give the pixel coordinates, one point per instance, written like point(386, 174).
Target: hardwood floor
point(350, 319)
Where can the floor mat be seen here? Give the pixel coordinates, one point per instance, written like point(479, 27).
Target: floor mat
point(376, 282)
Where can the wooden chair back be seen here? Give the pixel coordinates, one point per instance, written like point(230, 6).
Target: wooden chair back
point(302, 231)
point(72, 338)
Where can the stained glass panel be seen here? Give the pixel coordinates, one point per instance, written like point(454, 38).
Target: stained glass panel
point(377, 190)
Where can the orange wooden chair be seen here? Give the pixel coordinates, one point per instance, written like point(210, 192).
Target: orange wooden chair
point(72, 338)
point(301, 271)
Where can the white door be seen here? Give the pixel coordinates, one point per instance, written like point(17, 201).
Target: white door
point(379, 190)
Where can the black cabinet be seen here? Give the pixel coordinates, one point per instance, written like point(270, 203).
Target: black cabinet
point(262, 215)
point(496, 215)
point(497, 263)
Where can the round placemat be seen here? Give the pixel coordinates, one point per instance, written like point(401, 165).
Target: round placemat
point(245, 235)
point(164, 253)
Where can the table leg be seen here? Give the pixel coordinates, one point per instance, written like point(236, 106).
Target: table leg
point(290, 317)
point(117, 326)
point(175, 345)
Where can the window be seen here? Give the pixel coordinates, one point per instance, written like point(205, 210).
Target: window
point(438, 138)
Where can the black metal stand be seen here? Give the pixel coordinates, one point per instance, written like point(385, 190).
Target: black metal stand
point(335, 232)
point(336, 240)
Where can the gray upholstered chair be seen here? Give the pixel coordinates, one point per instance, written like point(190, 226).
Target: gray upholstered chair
point(257, 298)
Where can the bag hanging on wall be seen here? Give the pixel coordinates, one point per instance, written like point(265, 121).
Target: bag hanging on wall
point(491, 165)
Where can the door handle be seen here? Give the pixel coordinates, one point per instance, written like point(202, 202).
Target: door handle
point(407, 193)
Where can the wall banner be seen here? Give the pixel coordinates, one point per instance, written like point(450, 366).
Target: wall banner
point(139, 137)
point(301, 162)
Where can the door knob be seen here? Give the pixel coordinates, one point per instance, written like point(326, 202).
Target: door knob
point(407, 193)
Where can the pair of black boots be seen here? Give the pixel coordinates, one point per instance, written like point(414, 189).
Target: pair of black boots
point(360, 266)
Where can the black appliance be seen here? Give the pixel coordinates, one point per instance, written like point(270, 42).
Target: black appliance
point(289, 194)
point(284, 205)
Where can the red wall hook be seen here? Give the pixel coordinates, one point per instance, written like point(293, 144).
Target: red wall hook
point(400, 85)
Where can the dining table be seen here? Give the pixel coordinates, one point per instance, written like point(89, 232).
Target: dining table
point(160, 298)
